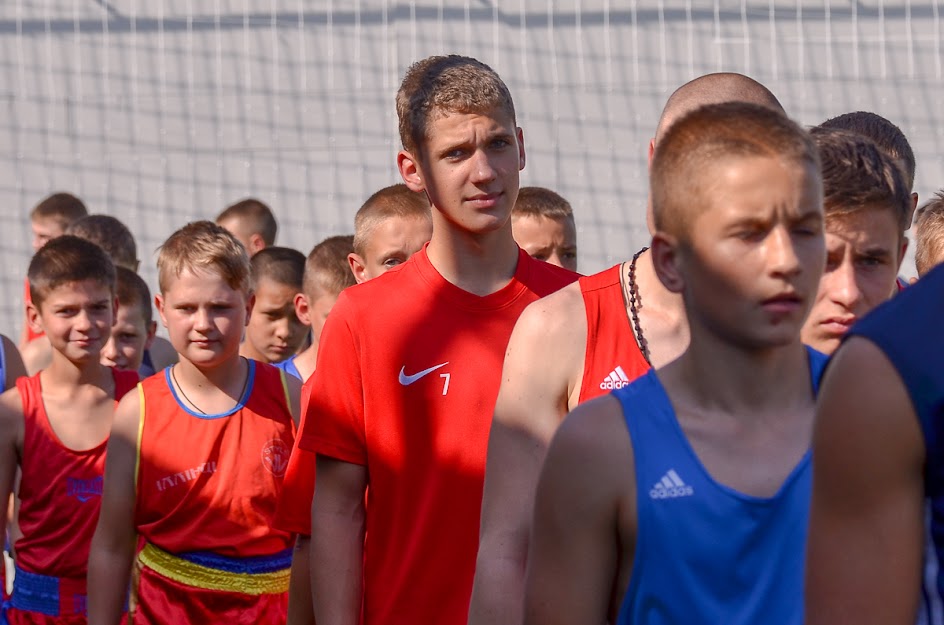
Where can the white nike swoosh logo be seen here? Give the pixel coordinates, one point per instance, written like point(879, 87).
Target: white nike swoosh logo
point(407, 380)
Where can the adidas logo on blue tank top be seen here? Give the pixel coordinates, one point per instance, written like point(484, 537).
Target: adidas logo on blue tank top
point(670, 487)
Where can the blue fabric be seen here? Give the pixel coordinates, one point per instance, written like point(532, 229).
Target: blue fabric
point(288, 366)
point(252, 565)
point(908, 329)
point(35, 593)
point(704, 552)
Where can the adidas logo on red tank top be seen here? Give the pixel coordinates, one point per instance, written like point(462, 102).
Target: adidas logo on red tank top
point(615, 380)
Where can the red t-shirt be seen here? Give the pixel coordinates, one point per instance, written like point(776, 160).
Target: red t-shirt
point(612, 359)
point(60, 489)
point(414, 367)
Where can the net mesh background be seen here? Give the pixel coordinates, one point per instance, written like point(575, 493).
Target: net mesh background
point(166, 111)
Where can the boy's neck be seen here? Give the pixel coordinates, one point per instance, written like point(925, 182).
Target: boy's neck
point(306, 361)
point(478, 263)
point(227, 375)
point(717, 375)
point(246, 350)
point(62, 371)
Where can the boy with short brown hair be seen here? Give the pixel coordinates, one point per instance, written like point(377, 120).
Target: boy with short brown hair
point(392, 225)
point(134, 327)
point(49, 219)
point(110, 234)
point(252, 222)
point(275, 333)
point(54, 426)
point(232, 423)
point(409, 365)
point(543, 224)
point(867, 209)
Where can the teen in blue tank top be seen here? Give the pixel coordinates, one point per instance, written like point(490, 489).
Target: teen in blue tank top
point(877, 520)
point(683, 498)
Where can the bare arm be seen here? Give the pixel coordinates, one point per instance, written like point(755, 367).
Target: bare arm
point(300, 608)
point(574, 556)
point(532, 400)
point(112, 551)
point(338, 524)
point(11, 442)
point(14, 363)
point(864, 559)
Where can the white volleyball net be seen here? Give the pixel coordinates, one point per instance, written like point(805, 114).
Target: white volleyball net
point(163, 111)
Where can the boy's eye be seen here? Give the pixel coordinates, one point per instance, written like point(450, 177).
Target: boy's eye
point(392, 262)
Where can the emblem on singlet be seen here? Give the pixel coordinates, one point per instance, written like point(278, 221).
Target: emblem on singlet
point(275, 455)
point(670, 487)
point(83, 490)
point(616, 379)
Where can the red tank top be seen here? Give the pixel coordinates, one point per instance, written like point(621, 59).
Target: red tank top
point(60, 489)
point(612, 359)
point(212, 482)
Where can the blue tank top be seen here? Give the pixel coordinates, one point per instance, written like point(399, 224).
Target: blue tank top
point(288, 366)
point(706, 553)
point(908, 330)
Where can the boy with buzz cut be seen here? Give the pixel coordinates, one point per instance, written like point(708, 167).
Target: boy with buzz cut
point(867, 210)
point(683, 497)
point(275, 333)
point(54, 427)
point(134, 327)
point(326, 274)
point(929, 235)
point(409, 365)
point(202, 507)
point(543, 225)
point(251, 222)
point(392, 225)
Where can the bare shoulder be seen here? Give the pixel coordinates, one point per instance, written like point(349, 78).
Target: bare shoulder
point(864, 407)
point(593, 438)
point(127, 418)
point(556, 324)
point(543, 362)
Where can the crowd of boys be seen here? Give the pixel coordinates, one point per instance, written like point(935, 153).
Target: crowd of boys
point(437, 420)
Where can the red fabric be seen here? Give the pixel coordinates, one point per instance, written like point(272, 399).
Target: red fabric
point(293, 513)
point(162, 601)
point(212, 484)
point(60, 489)
point(611, 342)
point(27, 298)
point(423, 443)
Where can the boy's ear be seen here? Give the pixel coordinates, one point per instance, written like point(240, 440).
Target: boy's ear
point(33, 318)
point(256, 244)
point(151, 333)
point(159, 304)
point(250, 304)
point(666, 259)
point(303, 308)
point(358, 267)
point(522, 158)
point(410, 171)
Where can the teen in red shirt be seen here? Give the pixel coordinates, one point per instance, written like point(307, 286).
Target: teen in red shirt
point(410, 363)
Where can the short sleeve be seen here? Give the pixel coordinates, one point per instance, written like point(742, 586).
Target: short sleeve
point(334, 418)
